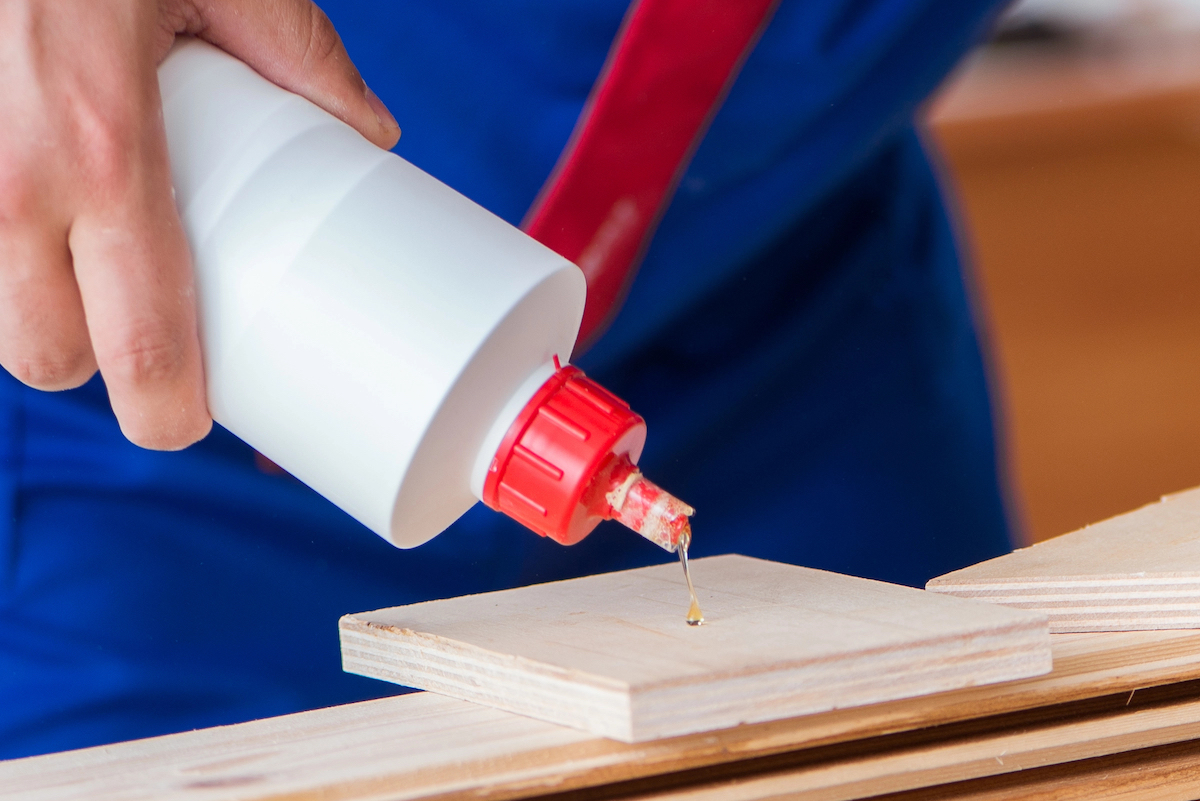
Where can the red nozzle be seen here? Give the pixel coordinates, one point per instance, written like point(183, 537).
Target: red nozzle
point(643, 506)
point(567, 462)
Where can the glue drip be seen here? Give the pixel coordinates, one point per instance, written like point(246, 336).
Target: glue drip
point(657, 515)
point(694, 616)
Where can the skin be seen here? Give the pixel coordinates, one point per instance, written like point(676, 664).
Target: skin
point(95, 271)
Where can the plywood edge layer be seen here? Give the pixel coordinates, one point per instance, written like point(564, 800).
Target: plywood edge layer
point(1149, 583)
point(1017, 650)
point(1087, 608)
point(475, 674)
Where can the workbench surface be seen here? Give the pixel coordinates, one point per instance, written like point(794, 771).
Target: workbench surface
point(1122, 706)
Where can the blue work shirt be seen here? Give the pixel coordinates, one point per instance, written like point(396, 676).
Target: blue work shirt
point(798, 339)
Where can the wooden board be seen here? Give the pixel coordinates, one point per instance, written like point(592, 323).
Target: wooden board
point(1134, 572)
point(1164, 773)
point(908, 762)
point(425, 746)
point(611, 654)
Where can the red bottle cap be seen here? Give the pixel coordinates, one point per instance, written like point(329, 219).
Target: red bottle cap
point(556, 463)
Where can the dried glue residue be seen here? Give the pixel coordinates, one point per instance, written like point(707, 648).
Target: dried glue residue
point(649, 510)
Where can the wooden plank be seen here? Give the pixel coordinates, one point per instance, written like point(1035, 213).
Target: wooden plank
point(902, 764)
point(1164, 773)
point(1134, 572)
point(424, 740)
point(426, 746)
point(611, 654)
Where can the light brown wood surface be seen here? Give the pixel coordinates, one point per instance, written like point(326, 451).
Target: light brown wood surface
point(611, 654)
point(1136, 571)
point(425, 746)
point(1165, 773)
point(1077, 173)
point(908, 763)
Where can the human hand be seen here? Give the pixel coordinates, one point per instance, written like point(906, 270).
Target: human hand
point(95, 271)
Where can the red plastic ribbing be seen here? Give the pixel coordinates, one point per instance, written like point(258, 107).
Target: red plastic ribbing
point(554, 465)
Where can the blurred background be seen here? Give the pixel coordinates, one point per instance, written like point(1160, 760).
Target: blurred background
point(1073, 142)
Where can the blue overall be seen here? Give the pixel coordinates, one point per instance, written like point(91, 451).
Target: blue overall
point(798, 339)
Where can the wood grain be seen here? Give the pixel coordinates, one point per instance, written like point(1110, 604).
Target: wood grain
point(426, 746)
point(906, 763)
point(1134, 572)
point(1164, 773)
point(610, 654)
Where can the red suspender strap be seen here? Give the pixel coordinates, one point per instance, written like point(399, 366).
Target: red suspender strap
point(667, 72)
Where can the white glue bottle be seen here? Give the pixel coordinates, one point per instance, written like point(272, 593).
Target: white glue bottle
point(381, 337)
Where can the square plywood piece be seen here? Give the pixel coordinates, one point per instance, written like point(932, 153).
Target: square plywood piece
point(611, 654)
point(1137, 571)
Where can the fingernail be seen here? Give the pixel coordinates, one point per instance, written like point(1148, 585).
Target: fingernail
point(386, 120)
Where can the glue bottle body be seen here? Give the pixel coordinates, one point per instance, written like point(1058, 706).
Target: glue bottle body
point(363, 324)
point(379, 336)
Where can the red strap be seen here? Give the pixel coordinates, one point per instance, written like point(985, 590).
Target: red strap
point(667, 72)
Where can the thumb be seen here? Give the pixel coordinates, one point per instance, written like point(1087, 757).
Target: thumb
point(293, 44)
